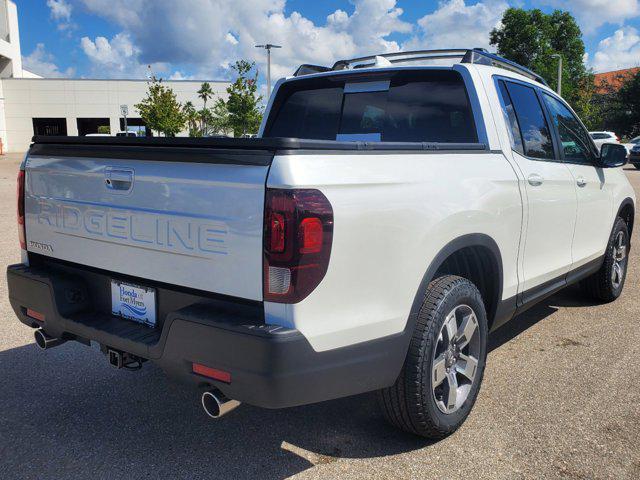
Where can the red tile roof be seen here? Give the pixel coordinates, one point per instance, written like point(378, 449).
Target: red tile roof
point(613, 79)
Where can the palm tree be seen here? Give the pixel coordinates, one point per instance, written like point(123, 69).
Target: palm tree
point(205, 93)
point(192, 118)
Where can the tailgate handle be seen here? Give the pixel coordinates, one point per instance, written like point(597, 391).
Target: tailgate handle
point(118, 179)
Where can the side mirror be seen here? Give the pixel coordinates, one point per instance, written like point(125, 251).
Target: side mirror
point(613, 155)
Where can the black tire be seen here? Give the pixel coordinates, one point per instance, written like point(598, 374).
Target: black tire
point(637, 165)
point(601, 285)
point(410, 403)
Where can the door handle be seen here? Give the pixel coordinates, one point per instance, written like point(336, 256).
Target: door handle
point(581, 182)
point(535, 180)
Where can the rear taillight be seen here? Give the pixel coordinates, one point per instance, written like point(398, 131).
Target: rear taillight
point(298, 231)
point(21, 228)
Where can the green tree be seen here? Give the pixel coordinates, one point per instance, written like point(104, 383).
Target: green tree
point(206, 120)
point(160, 110)
point(588, 103)
point(241, 112)
point(623, 107)
point(205, 93)
point(532, 37)
point(220, 118)
point(192, 119)
point(104, 129)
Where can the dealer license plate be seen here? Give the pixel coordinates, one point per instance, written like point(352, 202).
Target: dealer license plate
point(133, 302)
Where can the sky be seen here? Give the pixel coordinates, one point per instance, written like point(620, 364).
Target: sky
point(199, 39)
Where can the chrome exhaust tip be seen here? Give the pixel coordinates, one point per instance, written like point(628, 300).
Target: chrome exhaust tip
point(215, 404)
point(44, 341)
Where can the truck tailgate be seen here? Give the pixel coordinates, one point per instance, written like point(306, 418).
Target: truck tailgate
point(196, 225)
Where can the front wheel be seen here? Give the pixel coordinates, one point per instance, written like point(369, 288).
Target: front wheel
point(439, 382)
point(607, 283)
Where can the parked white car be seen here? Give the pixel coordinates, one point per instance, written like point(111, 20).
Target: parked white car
point(600, 138)
point(390, 216)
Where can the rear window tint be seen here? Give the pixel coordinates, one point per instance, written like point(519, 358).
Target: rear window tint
point(426, 106)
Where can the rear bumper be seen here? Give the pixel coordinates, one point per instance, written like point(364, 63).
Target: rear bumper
point(270, 366)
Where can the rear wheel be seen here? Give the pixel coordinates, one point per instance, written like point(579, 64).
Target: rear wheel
point(607, 283)
point(441, 376)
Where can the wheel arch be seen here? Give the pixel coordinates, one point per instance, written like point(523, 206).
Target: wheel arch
point(446, 261)
point(626, 211)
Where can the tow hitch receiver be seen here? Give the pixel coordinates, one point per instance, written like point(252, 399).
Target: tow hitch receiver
point(118, 359)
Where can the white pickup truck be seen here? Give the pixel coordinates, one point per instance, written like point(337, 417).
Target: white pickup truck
point(392, 213)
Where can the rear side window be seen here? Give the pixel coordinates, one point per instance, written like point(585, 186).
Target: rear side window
point(536, 136)
point(425, 106)
point(512, 122)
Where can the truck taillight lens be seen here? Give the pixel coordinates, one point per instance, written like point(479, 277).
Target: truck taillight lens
point(21, 228)
point(298, 232)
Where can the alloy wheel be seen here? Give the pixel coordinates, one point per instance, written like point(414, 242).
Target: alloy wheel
point(619, 260)
point(455, 359)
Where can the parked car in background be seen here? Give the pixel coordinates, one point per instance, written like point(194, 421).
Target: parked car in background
point(600, 138)
point(634, 155)
point(97, 135)
point(126, 134)
point(387, 219)
point(632, 143)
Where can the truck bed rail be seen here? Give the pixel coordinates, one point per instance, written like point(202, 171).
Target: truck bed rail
point(250, 151)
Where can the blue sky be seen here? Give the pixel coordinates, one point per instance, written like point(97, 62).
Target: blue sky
point(199, 38)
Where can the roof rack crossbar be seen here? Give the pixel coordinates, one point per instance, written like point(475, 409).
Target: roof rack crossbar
point(467, 55)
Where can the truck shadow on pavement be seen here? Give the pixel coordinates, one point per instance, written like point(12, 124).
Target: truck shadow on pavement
point(569, 297)
point(67, 414)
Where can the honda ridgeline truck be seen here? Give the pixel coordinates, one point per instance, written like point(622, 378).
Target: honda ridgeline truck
point(390, 215)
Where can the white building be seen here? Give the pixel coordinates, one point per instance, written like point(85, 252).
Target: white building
point(31, 105)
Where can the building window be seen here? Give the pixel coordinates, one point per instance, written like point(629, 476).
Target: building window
point(87, 126)
point(50, 126)
point(136, 125)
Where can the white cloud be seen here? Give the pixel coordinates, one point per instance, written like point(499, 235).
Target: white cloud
point(621, 50)
point(458, 25)
point(42, 63)
point(60, 11)
point(208, 35)
point(203, 37)
point(592, 14)
point(118, 58)
point(179, 75)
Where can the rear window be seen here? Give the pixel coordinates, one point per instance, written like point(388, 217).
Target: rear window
point(425, 106)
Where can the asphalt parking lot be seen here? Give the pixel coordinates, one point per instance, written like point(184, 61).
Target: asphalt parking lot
point(559, 400)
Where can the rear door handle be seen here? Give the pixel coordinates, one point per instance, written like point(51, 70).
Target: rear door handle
point(581, 181)
point(535, 180)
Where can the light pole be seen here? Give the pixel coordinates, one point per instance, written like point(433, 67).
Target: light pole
point(559, 57)
point(268, 47)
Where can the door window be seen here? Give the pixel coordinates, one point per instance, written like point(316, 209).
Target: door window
point(534, 129)
point(576, 145)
